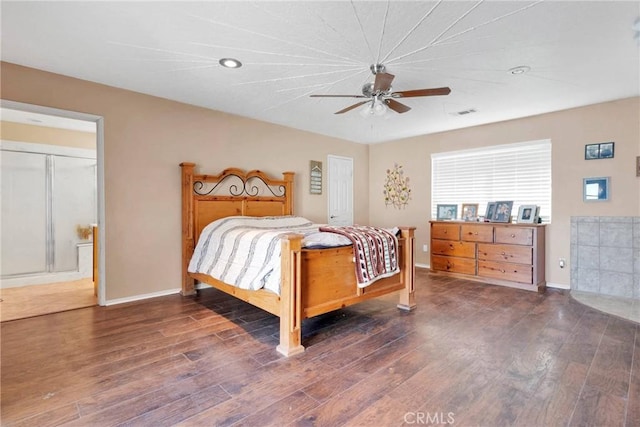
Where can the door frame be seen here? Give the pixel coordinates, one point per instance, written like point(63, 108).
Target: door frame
point(99, 121)
point(330, 157)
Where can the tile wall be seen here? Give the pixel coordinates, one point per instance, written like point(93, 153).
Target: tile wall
point(605, 255)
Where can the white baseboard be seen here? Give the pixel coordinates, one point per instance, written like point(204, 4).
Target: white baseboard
point(423, 266)
point(152, 295)
point(143, 296)
point(558, 286)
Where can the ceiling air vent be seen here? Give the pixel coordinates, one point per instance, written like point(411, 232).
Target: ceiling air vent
point(463, 112)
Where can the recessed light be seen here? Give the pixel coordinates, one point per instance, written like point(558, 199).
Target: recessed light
point(230, 63)
point(519, 70)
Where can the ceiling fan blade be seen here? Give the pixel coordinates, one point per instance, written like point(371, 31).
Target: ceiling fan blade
point(383, 82)
point(351, 107)
point(422, 92)
point(338, 96)
point(397, 106)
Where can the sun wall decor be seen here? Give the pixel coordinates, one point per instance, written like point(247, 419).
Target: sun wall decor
point(396, 189)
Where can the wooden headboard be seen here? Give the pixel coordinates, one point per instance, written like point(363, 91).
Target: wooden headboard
point(206, 198)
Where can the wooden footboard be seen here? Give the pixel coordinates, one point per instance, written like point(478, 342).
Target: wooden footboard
point(317, 281)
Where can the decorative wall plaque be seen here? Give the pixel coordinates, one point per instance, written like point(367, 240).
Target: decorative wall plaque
point(315, 177)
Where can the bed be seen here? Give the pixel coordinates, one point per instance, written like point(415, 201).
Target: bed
point(312, 281)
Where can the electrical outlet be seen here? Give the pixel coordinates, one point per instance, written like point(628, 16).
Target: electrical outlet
point(561, 262)
point(425, 248)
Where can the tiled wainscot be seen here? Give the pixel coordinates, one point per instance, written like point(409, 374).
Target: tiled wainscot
point(605, 255)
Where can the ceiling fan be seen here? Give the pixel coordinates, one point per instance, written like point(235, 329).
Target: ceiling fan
point(380, 96)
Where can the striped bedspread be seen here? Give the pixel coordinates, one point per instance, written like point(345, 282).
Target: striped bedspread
point(246, 251)
point(375, 251)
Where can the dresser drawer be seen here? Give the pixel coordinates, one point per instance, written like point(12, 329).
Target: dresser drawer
point(514, 235)
point(445, 231)
point(506, 253)
point(453, 248)
point(453, 264)
point(506, 271)
point(476, 233)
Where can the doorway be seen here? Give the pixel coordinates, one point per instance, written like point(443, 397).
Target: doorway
point(59, 188)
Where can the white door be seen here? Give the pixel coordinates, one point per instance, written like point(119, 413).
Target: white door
point(340, 191)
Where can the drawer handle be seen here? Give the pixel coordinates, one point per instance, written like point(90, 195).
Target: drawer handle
point(502, 271)
point(445, 231)
point(513, 235)
point(475, 234)
point(503, 254)
point(451, 246)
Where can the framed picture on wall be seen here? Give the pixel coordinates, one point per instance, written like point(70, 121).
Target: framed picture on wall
point(591, 151)
point(606, 150)
point(602, 150)
point(596, 189)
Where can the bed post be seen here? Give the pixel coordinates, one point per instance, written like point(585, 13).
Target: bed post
point(407, 295)
point(290, 297)
point(188, 283)
point(288, 178)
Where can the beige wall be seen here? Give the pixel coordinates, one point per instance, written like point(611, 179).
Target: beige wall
point(11, 131)
point(569, 131)
point(145, 138)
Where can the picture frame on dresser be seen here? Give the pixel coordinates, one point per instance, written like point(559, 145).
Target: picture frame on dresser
point(469, 212)
point(446, 212)
point(528, 214)
point(502, 212)
point(488, 214)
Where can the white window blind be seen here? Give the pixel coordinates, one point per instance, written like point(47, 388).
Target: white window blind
point(518, 172)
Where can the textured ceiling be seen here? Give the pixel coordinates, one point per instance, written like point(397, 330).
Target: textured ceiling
point(579, 53)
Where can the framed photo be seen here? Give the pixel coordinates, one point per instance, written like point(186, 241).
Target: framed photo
point(488, 214)
point(469, 211)
point(447, 212)
point(596, 189)
point(591, 151)
point(528, 214)
point(602, 150)
point(606, 150)
point(502, 212)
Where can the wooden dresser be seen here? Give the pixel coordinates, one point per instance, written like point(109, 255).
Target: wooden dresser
point(500, 254)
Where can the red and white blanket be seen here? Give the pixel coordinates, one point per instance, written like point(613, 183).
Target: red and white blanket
point(375, 251)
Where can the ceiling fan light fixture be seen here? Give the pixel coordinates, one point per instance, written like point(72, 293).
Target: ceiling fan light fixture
point(375, 108)
point(230, 63)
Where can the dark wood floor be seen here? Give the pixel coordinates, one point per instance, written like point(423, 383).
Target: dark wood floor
point(470, 354)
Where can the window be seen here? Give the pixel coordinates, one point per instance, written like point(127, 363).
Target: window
point(519, 172)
